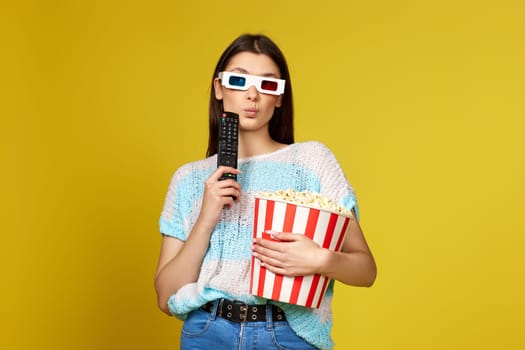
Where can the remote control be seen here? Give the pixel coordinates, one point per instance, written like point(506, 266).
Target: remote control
point(228, 142)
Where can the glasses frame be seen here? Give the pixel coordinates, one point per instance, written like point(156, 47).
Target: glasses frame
point(252, 80)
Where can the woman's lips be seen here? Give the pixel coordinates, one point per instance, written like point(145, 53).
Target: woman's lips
point(250, 112)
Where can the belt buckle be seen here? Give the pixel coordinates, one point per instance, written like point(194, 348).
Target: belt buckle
point(219, 307)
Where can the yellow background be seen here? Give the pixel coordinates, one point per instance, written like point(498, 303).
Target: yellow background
point(422, 102)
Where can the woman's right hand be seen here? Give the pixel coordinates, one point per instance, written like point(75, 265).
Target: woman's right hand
point(218, 194)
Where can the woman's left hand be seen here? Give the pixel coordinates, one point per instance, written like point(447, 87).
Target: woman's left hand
point(289, 254)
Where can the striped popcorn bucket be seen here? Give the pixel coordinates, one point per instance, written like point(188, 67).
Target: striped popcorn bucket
point(324, 227)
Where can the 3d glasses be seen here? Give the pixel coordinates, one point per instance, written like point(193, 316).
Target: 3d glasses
point(264, 85)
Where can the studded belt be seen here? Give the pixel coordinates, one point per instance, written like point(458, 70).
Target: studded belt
point(237, 311)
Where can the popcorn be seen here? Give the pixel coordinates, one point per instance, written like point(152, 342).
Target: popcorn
point(310, 199)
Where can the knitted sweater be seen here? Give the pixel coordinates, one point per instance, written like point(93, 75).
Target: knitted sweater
point(225, 270)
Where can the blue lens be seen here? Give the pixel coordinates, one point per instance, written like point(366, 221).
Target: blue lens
point(237, 81)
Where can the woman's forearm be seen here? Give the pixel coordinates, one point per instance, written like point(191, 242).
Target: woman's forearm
point(355, 268)
point(183, 267)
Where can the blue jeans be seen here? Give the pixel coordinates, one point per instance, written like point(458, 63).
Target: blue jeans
point(205, 331)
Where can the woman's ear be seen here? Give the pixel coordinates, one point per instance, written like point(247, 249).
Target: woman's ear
point(217, 88)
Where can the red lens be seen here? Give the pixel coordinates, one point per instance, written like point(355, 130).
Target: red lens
point(269, 85)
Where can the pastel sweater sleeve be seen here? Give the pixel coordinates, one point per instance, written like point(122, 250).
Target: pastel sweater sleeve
point(333, 181)
point(171, 220)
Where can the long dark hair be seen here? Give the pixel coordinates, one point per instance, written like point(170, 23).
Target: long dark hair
point(281, 124)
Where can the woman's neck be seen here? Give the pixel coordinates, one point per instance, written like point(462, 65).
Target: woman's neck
point(254, 144)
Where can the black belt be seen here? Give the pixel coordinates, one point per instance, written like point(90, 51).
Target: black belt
point(237, 311)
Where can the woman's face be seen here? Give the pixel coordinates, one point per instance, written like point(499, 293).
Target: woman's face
point(255, 109)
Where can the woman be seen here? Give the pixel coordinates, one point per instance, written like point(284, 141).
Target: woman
point(204, 265)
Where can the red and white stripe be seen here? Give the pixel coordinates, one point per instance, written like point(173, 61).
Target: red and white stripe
point(325, 228)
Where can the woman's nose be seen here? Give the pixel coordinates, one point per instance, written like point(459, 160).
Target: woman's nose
point(252, 93)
